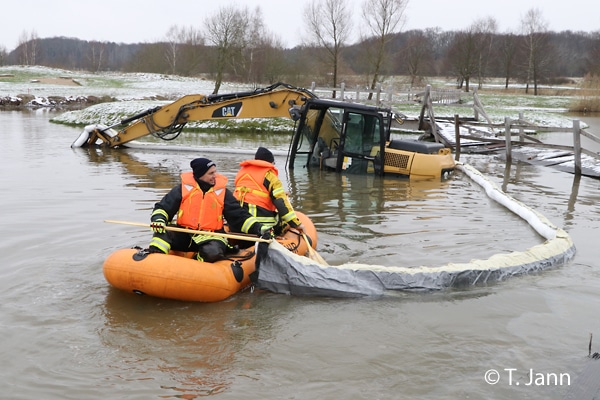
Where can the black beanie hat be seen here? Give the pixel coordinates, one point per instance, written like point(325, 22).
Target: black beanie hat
point(264, 154)
point(200, 166)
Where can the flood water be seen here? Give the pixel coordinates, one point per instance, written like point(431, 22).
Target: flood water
point(66, 334)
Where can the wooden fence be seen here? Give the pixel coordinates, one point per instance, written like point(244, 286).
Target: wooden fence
point(429, 96)
point(389, 95)
point(516, 129)
point(521, 125)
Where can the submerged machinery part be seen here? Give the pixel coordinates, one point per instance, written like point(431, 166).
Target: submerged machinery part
point(99, 134)
point(283, 272)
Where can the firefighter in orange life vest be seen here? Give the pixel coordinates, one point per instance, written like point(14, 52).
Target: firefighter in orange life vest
point(259, 190)
point(201, 202)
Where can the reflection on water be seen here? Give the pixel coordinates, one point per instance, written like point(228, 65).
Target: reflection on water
point(227, 140)
point(195, 345)
point(162, 175)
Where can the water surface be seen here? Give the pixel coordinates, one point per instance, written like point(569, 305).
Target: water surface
point(68, 335)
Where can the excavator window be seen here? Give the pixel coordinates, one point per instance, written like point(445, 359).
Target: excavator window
point(362, 142)
point(327, 127)
point(347, 138)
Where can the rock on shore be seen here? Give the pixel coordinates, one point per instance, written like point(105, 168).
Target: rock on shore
point(29, 101)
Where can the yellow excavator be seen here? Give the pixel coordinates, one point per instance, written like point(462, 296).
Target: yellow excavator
point(329, 134)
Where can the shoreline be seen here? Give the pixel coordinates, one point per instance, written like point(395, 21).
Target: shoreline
point(28, 101)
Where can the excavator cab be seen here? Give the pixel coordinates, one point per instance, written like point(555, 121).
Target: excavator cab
point(343, 137)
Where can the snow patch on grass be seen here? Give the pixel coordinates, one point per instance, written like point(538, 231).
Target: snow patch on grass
point(137, 92)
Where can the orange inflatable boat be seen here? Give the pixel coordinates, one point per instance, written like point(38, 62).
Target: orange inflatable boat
point(179, 277)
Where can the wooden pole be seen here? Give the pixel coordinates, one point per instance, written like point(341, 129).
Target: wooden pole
point(507, 139)
point(432, 116)
point(521, 130)
point(457, 137)
point(475, 106)
point(312, 253)
point(577, 146)
point(423, 107)
point(185, 230)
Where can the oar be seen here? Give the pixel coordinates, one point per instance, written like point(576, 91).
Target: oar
point(186, 230)
point(312, 253)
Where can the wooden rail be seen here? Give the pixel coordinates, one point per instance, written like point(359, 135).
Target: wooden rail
point(518, 128)
point(380, 96)
point(575, 148)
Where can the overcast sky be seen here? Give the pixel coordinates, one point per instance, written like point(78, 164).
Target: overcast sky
point(133, 21)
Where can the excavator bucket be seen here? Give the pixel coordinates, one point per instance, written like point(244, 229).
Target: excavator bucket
point(96, 134)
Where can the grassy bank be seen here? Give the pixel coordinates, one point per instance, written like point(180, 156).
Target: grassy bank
point(135, 92)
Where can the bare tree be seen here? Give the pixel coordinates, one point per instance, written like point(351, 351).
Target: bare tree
point(535, 29)
point(485, 30)
point(3, 55)
point(226, 31)
point(182, 49)
point(508, 50)
point(329, 22)
point(463, 56)
point(149, 58)
point(28, 45)
point(249, 62)
point(384, 18)
point(273, 61)
point(265, 57)
point(174, 38)
point(416, 55)
point(471, 50)
point(593, 61)
point(96, 55)
point(439, 43)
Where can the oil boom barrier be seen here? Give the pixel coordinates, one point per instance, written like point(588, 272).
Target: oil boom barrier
point(284, 272)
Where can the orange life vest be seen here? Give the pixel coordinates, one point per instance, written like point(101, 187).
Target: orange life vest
point(198, 210)
point(249, 187)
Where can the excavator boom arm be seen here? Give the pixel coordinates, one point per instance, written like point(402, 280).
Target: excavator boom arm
point(270, 102)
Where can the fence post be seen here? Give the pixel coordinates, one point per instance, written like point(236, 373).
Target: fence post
point(342, 89)
point(378, 93)
point(507, 139)
point(456, 137)
point(358, 93)
point(423, 107)
point(312, 86)
point(475, 110)
point(521, 130)
point(577, 146)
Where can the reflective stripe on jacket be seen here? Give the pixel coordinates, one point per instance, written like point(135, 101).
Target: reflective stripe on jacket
point(198, 210)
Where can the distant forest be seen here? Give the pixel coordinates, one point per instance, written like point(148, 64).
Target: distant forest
point(464, 55)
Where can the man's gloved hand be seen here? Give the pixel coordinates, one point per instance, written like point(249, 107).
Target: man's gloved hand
point(266, 232)
point(158, 226)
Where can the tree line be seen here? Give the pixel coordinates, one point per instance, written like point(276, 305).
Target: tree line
point(234, 45)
